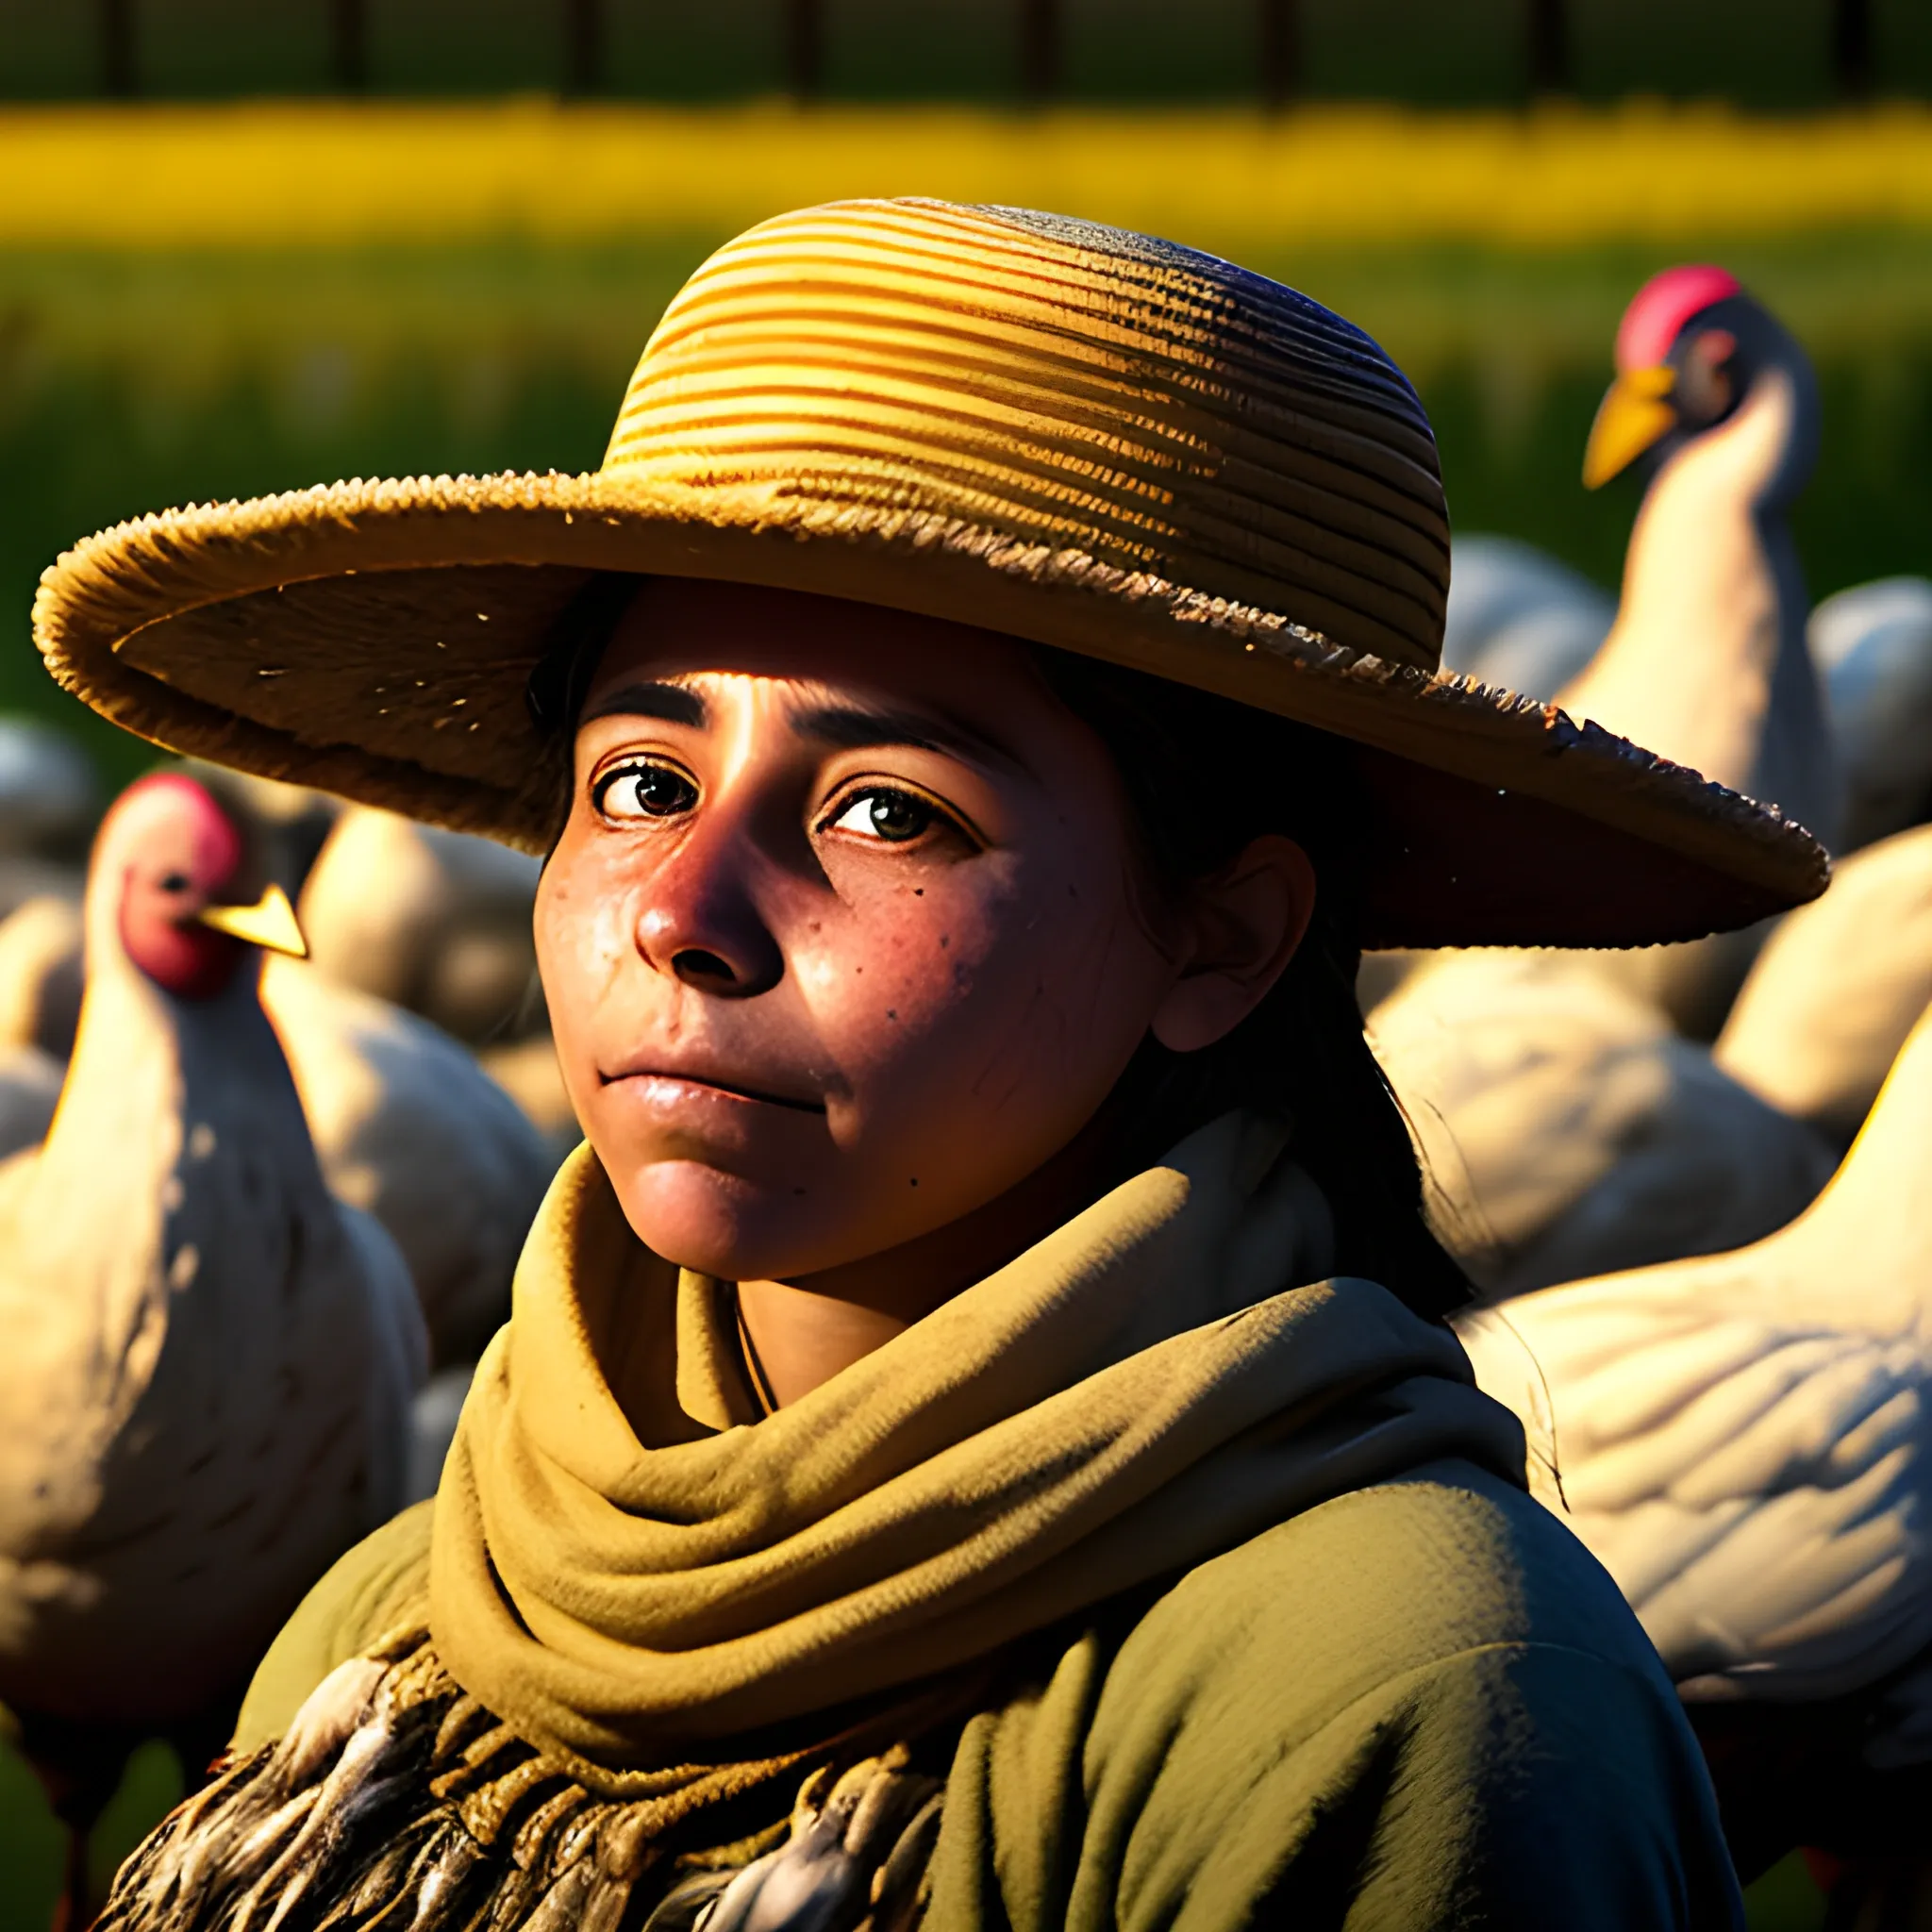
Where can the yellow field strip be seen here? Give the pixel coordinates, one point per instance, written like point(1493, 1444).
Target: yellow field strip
point(269, 175)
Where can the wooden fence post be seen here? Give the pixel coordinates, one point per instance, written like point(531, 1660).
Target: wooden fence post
point(1039, 49)
point(805, 48)
point(115, 21)
point(1549, 48)
point(348, 45)
point(1281, 51)
point(583, 47)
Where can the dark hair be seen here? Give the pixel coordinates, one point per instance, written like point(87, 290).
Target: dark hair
point(1204, 776)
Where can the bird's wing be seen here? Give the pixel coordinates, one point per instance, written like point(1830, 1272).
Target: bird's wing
point(408, 1126)
point(1705, 1167)
point(1837, 988)
point(1566, 1132)
point(1755, 1486)
point(1743, 1438)
point(1873, 645)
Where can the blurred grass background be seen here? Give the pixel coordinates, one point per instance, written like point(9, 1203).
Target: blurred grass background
point(207, 302)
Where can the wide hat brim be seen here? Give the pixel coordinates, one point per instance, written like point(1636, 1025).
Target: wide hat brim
point(376, 639)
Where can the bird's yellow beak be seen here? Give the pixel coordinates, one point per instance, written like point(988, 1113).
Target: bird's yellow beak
point(1634, 414)
point(270, 922)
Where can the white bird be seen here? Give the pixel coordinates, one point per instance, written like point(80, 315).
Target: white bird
point(1566, 1129)
point(1838, 987)
point(1519, 618)
point(1706, 662)
point(208, 1362)
point(408, 1126)
point(438, 921)
point(1744, 1440)
point(412, 1129)
point(1873, 646)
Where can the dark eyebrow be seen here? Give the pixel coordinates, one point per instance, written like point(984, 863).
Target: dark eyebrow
point(857, 727)
point(671, 702)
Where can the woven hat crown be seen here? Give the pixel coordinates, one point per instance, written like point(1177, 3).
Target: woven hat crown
point(1077, 437)
point(1101, 398)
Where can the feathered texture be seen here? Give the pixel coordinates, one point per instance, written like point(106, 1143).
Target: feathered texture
point(413, 1131)
point(1745, 1440)
point(1706, 662)
point(1873, 646)
point(397, 1800)
point(1837, 990)
point(434, 921)
point(208, 1362)
point(1566, 1130)
point(406, 1126)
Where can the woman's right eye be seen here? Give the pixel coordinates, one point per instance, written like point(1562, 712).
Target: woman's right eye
point(643, 792)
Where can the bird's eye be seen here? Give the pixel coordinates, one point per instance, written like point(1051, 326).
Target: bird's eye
point(643, 792)
point(885, 813)
point(174, 882)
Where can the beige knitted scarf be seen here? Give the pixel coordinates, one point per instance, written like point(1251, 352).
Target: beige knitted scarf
point(652, 1610)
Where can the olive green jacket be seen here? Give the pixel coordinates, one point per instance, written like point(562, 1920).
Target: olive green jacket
point(1420, 1706)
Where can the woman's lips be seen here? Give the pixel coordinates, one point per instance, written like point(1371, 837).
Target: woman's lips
point(662, 1086)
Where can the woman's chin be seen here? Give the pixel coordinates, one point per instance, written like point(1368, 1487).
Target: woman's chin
point(702, 1218)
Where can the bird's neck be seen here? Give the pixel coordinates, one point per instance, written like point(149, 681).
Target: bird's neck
point(121, 1212)
point(1706, 662)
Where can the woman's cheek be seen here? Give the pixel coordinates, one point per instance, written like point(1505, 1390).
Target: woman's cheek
point(586, 919)
point(897, 970)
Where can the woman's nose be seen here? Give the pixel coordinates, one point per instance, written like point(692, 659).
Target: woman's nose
point(699, 925)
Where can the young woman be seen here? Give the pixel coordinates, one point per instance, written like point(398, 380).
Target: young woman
point(977, 1444)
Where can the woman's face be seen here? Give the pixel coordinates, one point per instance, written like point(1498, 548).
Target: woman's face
point(842, 937)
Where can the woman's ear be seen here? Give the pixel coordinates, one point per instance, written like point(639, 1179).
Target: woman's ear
point(1239, 928)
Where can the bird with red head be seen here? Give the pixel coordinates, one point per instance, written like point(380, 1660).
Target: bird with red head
point(184, 856)
point(1692, 346)
point(203, 1398)
point(1715, 405)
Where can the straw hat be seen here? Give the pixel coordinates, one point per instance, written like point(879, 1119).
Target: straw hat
point(1078, 435)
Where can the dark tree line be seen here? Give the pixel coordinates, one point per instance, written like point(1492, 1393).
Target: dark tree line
point(1039, 33)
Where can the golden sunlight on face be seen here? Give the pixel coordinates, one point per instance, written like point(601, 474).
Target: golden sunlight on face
point(840, 941)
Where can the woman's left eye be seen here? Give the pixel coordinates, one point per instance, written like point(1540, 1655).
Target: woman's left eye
point(883, 813)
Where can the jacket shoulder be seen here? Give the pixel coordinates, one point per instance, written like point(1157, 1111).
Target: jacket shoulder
point(1421, 1705)
point(1401, 1574)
